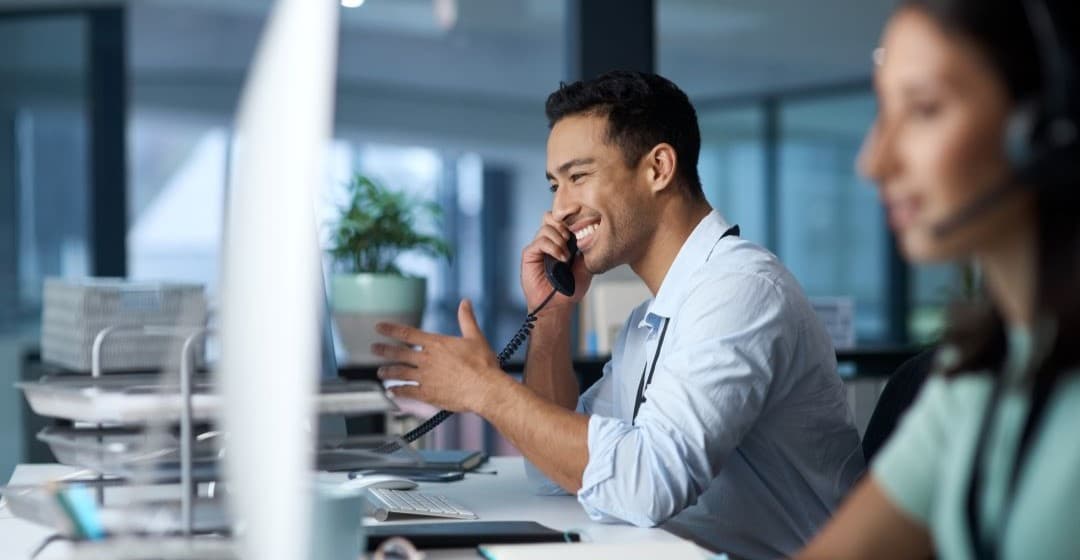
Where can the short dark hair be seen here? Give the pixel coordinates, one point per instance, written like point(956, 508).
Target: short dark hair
point(642, 110)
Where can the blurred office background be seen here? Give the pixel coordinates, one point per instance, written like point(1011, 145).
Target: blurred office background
point(116, 119)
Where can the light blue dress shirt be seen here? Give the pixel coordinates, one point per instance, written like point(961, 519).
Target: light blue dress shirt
point(744, 443)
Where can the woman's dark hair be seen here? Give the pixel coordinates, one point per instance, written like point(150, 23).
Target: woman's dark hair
point(1001, 30)
point(642, 110)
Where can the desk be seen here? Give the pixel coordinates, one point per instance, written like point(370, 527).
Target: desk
point(505, 496)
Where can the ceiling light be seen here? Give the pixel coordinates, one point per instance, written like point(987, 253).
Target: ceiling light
point(352, 3)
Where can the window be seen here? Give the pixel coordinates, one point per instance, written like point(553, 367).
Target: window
point(43, 159)
point(831, 227)
point(717, 50)
point(44, 186)
point(933, 288)
point(179, 178)
point(783, 101)
point(732, 167)
point(177, 197)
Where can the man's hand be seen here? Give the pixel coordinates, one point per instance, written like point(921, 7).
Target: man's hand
point(463, 375)
point(551, 239)
point(456, 374)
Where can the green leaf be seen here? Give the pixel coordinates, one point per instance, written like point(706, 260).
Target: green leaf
point(378, 225)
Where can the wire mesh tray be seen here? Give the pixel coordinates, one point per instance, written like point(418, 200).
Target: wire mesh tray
point(141, 398)
point(136, 454)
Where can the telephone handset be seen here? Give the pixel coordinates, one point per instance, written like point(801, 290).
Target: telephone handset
point(561, 277)
point(559, 273)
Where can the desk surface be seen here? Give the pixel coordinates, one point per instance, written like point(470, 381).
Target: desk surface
point(505, 496)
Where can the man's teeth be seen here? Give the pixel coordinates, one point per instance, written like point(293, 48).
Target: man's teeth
point(586, 231)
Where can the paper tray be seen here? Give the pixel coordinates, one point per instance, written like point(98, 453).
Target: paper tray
point(130, 453)
point(141, 398)
point(37, 504)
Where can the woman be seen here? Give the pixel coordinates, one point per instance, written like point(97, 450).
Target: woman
point(986, 464)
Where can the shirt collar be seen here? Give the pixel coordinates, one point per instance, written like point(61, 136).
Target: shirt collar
point(695, 252)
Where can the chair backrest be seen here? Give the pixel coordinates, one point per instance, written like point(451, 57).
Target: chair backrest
point(900, 391)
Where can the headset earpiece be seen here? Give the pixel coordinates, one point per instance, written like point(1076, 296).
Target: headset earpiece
point(1020, 142)
point(1042, 138)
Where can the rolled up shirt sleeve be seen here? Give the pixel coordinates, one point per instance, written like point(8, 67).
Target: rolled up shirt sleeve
point(708, 390)
point(595, 398)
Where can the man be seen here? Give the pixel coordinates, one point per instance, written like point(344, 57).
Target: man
point(720, 413)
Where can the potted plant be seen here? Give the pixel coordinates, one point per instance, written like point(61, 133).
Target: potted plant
point(374, 228)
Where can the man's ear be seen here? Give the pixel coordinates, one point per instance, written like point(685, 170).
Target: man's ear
point(659, 166)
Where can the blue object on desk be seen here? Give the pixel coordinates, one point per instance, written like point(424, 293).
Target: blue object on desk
point(78, 503)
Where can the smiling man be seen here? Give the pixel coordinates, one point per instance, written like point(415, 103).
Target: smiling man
point(720, 414)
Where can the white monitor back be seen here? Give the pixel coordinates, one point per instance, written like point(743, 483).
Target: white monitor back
point(271, 299)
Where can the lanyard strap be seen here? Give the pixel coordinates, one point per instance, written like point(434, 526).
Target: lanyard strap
point(641, 386)
point(986, 544)
point(646, 380)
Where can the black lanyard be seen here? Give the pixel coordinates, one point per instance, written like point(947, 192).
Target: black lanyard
point(646, 380)
point(987, 547)
point(644, 383)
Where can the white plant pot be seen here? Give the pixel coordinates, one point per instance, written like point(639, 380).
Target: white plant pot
point(360, 301)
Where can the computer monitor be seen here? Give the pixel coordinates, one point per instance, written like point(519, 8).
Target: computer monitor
point(271, 296)
point(330, 426)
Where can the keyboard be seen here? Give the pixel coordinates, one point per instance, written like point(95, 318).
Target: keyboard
point(387, 502)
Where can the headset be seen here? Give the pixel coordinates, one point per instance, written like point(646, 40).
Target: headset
point(1042, 134)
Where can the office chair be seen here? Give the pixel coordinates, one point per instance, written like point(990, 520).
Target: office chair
point(900, 391)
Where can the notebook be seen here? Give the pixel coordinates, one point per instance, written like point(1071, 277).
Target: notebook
point(573, 551)
point(445, 460)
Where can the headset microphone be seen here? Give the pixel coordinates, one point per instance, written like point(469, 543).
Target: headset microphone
point(975, 209)
point(1022, 161)
point(1056, 166)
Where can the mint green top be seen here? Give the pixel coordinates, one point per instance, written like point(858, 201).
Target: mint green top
point(925, 468)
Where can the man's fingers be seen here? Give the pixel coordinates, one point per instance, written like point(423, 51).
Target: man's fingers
point(554, 247)
point(407, 392)
point(467, 321)
point(408, 335)
point(558, 225)
point(396, 353)
point(398, 373)
point(554, 235)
